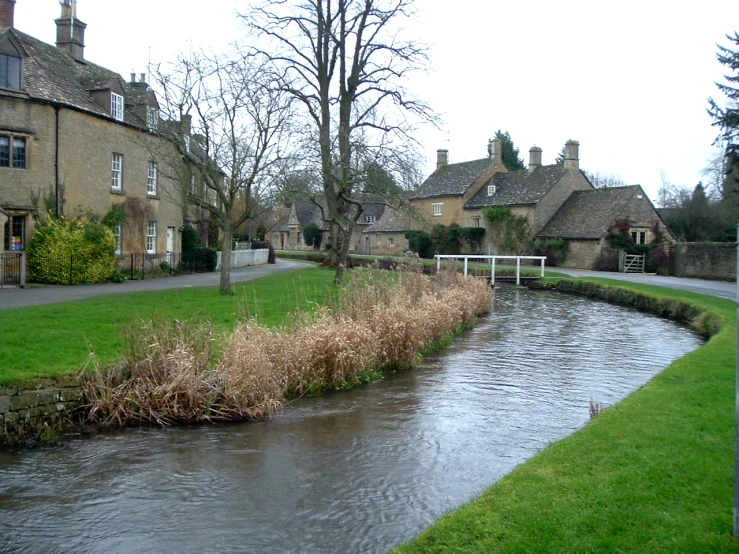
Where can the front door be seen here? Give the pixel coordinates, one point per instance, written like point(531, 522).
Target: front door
point(170, 244)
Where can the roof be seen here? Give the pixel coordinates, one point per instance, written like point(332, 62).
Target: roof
point(452, 179)
point(51, 74)
point(392, 221)
point(587, 214)
point(518, 187)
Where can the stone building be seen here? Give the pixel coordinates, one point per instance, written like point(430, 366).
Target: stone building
point(82, 137)
point(558, 201)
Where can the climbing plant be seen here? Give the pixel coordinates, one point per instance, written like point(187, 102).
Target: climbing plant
point(512, 233)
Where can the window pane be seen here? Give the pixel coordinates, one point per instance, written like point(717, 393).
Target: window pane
point(117, 165)
point(14, 72)
point(4, 152)
point(19, 153)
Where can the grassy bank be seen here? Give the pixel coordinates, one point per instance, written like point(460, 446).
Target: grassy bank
point(57, 339)
point(651, 474)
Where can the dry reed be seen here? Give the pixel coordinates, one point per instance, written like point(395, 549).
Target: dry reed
point(172, 373)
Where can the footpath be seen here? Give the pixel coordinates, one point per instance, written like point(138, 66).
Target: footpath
point(32, 295)
point(12, 297)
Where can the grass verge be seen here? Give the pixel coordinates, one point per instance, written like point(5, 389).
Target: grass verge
point(59, 339)
point(653, 473)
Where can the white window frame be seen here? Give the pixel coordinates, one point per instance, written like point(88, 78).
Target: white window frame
point(379, 238)
point(192, 183)
point(116, 106)
point(370, 219)
point(186, 140)
point(151, 237)
point(151, 178)
point(116, 167)
point(491, 190)
point(118, 239)
point(391, 240)
point(152, 118)
point(438, 208)
point(639, 237)
point(475, 221)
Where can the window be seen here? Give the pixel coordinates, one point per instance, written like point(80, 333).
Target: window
point(152, 118)
point(491, 190)
point(186, 140)
point(151, 238)
point(192, 183)
point(300, 237)
point(639, 237)
point(438, 208)
point(391, 240)
point(475, 221)
point(117, 235)
point(116, 106)
point(10, 71)
point(116, 182)
point(370, 219)
point(379, 241)
point(13, 152)
point(15, 233)
point(151, 181)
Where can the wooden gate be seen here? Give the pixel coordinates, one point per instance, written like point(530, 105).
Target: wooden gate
point(631, 263)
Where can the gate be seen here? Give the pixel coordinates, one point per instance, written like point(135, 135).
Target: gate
point(631, 263)
point(11, 269)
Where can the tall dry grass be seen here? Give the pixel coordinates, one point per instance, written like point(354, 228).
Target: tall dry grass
point(184, 373)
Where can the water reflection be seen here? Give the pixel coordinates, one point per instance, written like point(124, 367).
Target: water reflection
point(353, 472)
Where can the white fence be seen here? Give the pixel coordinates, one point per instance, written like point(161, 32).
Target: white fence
point(492, 260)
point(243, 258)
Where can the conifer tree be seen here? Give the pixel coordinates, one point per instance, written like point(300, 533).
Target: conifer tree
point(511, 158)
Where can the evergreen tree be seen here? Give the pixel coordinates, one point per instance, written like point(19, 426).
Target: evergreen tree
point(560, 159)
point(727, 120)
point(511, 156)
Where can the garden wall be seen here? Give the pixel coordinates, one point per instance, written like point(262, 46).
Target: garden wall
point(704, 260)
point(39, 408)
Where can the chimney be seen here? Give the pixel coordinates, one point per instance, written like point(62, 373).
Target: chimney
point(572, 153)
point(143, 77)
point(7, 8)
point(496, 154)
point(133, 77)
point(70, 31)
point(442, 158)
point(534, 158)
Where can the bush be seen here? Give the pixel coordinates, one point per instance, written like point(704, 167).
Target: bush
point(312, 235)
point(420, 243)
point(71, 251)
point(555, 250)
point(190, 239)
point(199, 259)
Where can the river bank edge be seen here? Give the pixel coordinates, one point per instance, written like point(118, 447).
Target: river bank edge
point(47, 410)
point(571, 498)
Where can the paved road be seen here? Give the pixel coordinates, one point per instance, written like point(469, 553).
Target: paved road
point(714, 288)
point(11, 297)
point(33, 296)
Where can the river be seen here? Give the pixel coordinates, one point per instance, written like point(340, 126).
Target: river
point(358, 471)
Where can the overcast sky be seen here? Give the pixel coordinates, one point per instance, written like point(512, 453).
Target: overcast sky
point(629, 79)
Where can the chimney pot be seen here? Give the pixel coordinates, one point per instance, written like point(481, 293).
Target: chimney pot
point(572, 154)
point(534, 158)
point(143, 77)
point(442, 157)
point(7, 10)
point(133, 77)
point(70, 31)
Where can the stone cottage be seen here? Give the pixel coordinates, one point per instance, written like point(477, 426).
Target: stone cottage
point(80, 135)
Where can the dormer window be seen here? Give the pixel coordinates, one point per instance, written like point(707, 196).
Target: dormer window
point(370, 219)
point(491, 190)
point(152, 118)
point(10, 71)
point(116, 106)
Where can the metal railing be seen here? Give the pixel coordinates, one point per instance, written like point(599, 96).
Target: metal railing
point(492, 261)
point(12, 269)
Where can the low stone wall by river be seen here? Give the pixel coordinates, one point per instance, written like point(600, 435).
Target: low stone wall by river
point(40, 408)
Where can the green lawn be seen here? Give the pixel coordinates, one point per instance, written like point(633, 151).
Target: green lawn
point(651, 474)
point(57, 339)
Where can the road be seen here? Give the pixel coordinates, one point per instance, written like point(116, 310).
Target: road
point(12, 297)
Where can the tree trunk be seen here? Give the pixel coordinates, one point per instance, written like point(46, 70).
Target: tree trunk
point(226, 259)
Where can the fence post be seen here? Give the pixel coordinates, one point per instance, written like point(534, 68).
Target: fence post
point(71, 268)
point(22, 270)
point(518, 270)
point(542, 266)
point(131, 267)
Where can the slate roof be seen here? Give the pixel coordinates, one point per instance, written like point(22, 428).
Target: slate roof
point(392, 221)
point(587, 214)
point(309, 212)
point(518, 187)
point(51, 74)
point(452, 179)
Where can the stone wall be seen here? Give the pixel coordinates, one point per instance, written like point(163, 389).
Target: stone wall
point(39, 408)
point(704, 260)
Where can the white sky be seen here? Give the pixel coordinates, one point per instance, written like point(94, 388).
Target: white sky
point(629, 79)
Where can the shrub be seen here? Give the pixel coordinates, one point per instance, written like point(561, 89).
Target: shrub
point(190, 239)
point(312, 235)
point(420, 243)
point(554, 249)
point(199, 259)
point(71, 251)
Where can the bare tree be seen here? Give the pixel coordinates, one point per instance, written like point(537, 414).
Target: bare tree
point(345, 63)
point(605, 180)
point(226, 118)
